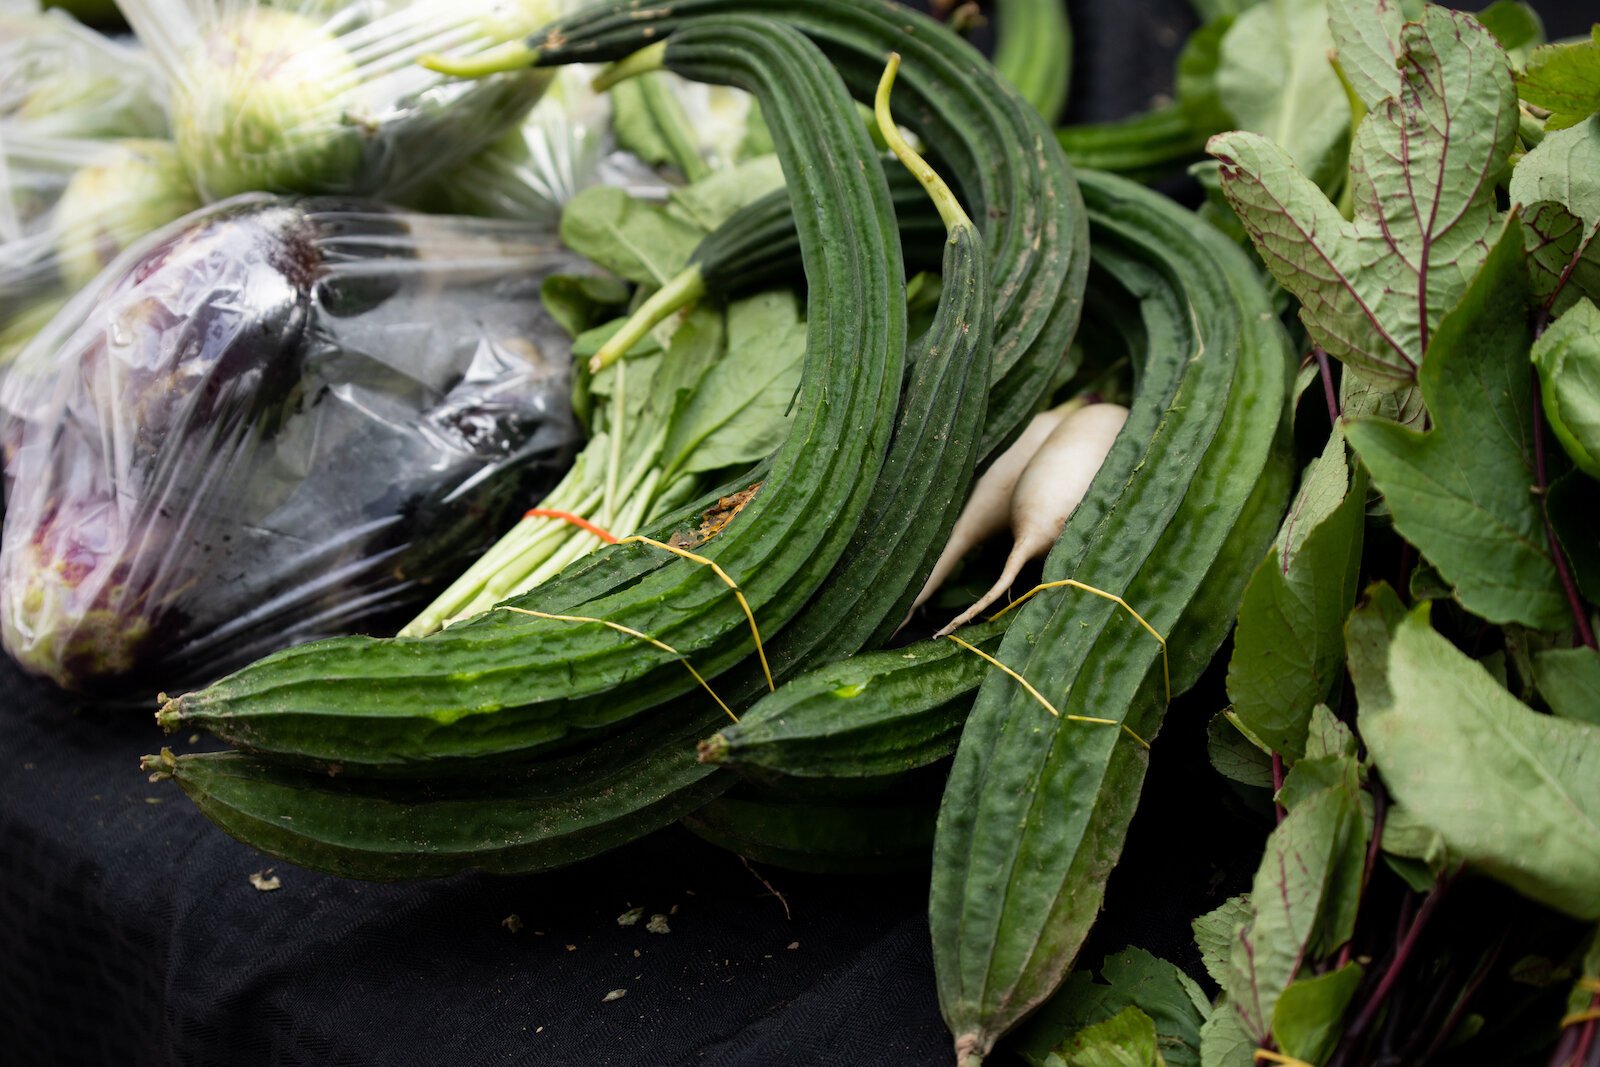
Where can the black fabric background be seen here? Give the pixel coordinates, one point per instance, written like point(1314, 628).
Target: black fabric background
point(130, 933)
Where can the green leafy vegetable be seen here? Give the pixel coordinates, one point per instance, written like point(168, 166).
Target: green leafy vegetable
point(1477, 523)
point(1274, 78)
point(1366, 37)
point(1569, 681)
point(1289, 645)
point(1511, 791)
point(1558, 186)
point(1235, 756)
point(1127, 1039)
point(1306, 1021)
point(1515, 25)
point(1287, 902)
point(1131, 979)
point(641, 242)
point(1423, 169)
point(1568, 360)
point(1214, 934)
point(1564, 79)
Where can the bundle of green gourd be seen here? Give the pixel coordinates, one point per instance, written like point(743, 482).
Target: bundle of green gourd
point(564, 722)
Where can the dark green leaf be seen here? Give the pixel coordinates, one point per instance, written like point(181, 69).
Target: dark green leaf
point(1289, 645)
point(1306, 1022)
point(1130, 978)
point(1477, 523)
point(1423, 172)
point(1564, 79)
point(1235, 756)
point(1569, 681)
point(1571, 503)
point(1513, 791)
point(1197, 79)
point(1515, 25)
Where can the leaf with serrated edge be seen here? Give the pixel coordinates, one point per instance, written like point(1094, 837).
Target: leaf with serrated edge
point(1558, 185)
point(1214, 933)
point(1223, 1042)
point(1287, 898)
point(1564, 79)
point(1423, 172)
point(1127, 1039)
point(1328, 736)
point(1366, 35)
point(1461, 493)
point(1513, 792)
point(1133, 977)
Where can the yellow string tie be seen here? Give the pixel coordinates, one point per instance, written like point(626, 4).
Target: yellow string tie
point(621, 629)
point(1267, 1055)
point(1166, 668)
point(1589, 983)
point(729, 582)
point(1578, 1018)
point(1040, 697)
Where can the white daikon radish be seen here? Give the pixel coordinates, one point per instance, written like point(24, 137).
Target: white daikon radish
point(1049, 488)
point(988, 509)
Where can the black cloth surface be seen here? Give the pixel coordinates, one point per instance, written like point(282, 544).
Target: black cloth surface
point(130, 931)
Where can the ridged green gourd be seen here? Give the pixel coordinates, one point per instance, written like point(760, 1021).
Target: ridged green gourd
point(1037, 807)
point(881, 712)
point(976, 128)
point(507, 682)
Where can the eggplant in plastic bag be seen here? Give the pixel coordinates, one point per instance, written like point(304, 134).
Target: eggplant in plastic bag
point(273, 421)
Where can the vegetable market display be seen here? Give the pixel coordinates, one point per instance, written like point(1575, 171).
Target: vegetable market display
point(673, 368)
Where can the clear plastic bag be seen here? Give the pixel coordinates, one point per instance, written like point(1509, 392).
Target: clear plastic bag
point(329, 96)
point(68, 207)
point(563, 147)
point(58, 78)
point(273, 421)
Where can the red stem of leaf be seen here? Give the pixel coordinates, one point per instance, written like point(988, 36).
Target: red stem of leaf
point(1580, 617)
point(1380, 806)
point(1453, 1020)
point(1277, 784)
point(1402, 955)
point(1325, 371)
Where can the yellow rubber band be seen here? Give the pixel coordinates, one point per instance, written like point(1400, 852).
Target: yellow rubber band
point(729, 582)
point(1578, 1018)
point(1166, 667)
point(631, 632)
point(1589, 983)
point(1040, 697)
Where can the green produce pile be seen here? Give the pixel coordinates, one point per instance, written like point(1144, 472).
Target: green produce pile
point(1312, 460)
